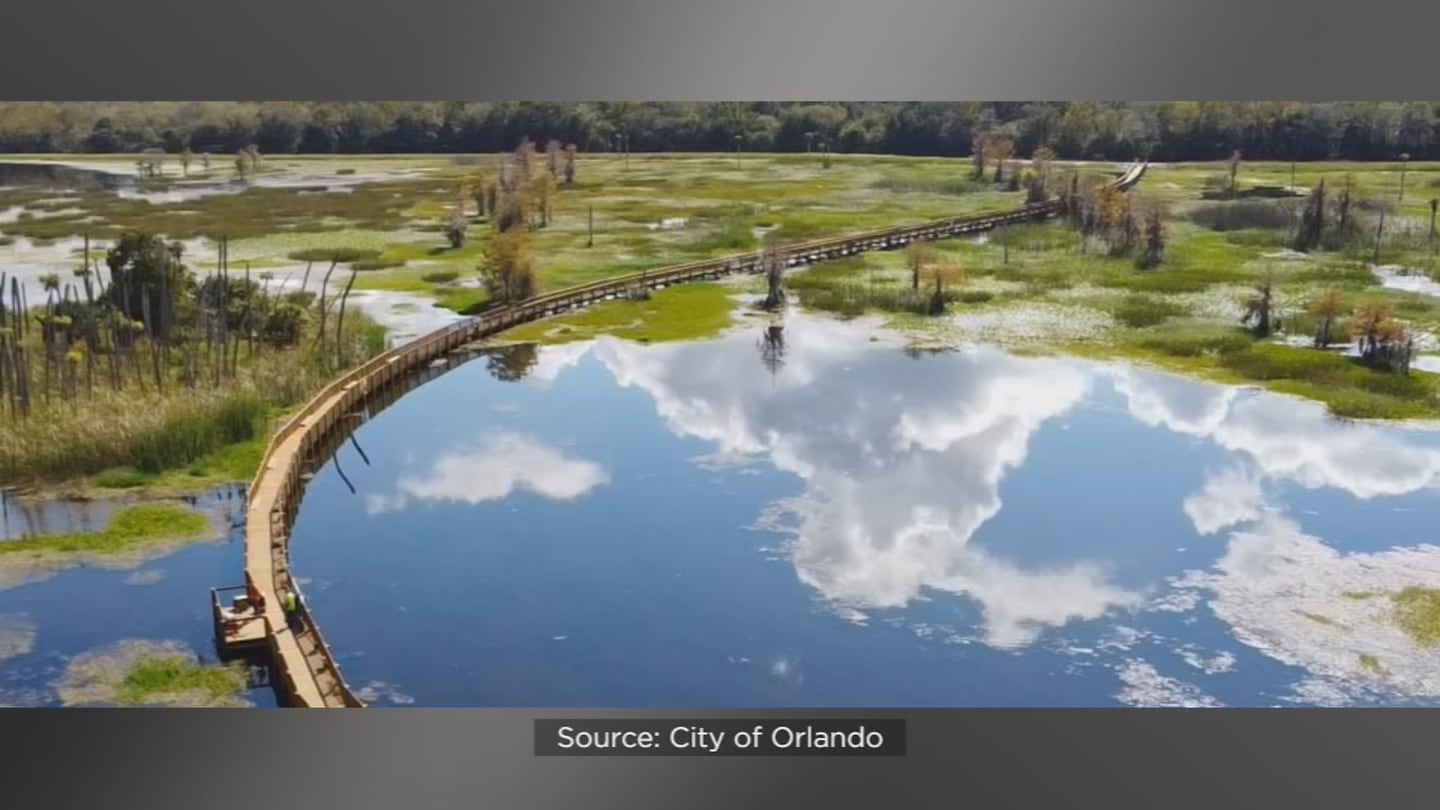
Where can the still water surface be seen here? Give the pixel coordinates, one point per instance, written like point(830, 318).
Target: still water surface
point(821, 518)
point(50, 620)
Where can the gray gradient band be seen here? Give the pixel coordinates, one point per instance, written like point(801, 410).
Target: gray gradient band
point(693, 50)
point(419, 759)
point(696, 50)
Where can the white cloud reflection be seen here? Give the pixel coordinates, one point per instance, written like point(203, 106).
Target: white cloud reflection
point(1229, 497)
point(1289, 595)
point(901, 466)
point(1282, 590)
point(1286, 438)
point(902, 463)
point(500, 464)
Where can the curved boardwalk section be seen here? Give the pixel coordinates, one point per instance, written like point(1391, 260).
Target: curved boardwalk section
point(304, 668)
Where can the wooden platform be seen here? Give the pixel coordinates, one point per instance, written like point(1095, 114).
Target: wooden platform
point(238, 626)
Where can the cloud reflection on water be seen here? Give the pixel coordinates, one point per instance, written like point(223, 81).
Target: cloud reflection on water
point(901, 466)
point(500, 464)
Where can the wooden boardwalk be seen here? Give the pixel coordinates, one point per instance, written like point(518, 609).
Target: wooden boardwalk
point(305, 669)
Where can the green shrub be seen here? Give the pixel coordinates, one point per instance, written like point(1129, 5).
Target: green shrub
point(1139, 311)
point(1243, 215)
point(122, 478)
point(1417, 611)
point(1270, 361)
point(733, 236)
point(440, 276)
point(363, 265)
point(343, 255)
point(930, 183)
point(184, 439)
point(1198, 342)
point(1347, 275)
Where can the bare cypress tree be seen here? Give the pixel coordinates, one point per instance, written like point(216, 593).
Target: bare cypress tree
point(1260, 308)
point(340, 323)
point(324, 285)
point(245, 331)
point(918, 254)
point(772, 348)
point(570, 166)
point(1154, 238)
point(305, 279)
point(553, 154)
point(455, 230)
point(1342, 218)
point(1232, 166)
point(1379, 235)
point(1312, 220)
point(937, 298)
point(772, 263)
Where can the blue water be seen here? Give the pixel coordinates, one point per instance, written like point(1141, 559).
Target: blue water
point(89, 609)
point(679, 525)
point(689, 525)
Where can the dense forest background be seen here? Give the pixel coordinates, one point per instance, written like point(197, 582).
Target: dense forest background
point(1163, 131)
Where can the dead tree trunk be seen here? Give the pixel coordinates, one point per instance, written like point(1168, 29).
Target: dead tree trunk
point(340, 323)
point(320, 334)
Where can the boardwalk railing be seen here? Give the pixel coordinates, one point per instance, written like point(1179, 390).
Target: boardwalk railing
point(305, 664)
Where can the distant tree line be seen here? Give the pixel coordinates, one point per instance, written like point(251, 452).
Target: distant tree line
point(1070, 130)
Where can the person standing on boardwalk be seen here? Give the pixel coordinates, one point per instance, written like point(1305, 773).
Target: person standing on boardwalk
point(291, 604)
point(256, 599)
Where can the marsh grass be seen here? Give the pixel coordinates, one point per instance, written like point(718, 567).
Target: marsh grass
point(930, 183)
point(1211, 245)
point(342, 255)
point(1197, 341)
point(123, 478)
point(1318, 618)
point(109, 433)
point(151, 680)
point(735, 234)
point(1346, 387)
point(1417, 611)
point(141, 672)
point(129, 528)
point(1139, 311)
point(370, 265)
point(1371, 664)
point(1246, 215)
point(683, 312)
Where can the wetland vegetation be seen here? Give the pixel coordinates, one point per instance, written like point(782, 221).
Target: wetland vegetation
point(129, 529)
point(139, 672)
point(178, 277)
point(1303, 277)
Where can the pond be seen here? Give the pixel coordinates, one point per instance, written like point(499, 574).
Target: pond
point(813, 515)
point(59, 628)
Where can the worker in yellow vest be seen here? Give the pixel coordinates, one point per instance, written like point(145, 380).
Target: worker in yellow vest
point(291, 604)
